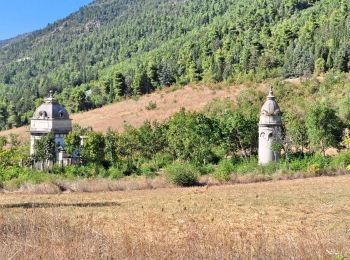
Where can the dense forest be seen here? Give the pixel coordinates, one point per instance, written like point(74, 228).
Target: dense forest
point(112, 49)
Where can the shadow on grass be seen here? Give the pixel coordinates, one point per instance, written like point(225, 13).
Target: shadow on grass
point(32, 205)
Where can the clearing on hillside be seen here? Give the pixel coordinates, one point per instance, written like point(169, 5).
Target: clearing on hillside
point(135, 112)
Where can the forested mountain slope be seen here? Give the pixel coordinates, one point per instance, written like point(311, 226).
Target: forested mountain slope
point(115, 48)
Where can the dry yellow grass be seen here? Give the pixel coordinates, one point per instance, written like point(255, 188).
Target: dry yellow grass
point(299, 219)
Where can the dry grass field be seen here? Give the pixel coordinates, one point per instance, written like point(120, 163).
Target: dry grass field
point(292, 219)
point(168, 101)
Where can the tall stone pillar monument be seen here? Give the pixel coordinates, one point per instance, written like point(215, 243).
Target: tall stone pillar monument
point(270, 130)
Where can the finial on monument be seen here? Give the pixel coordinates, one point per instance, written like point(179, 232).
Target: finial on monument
point(50, 99)
point(271, 95)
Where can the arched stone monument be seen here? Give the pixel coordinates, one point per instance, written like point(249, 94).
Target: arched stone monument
point(49, 117)
point(270, 130)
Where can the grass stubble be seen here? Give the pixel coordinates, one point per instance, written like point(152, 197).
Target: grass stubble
point(291, 219)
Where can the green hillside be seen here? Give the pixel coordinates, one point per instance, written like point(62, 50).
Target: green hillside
point(115, 48)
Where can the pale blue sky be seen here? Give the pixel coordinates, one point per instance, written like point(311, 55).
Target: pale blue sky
point(22, 16)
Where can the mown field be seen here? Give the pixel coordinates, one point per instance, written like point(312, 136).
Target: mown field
point(292, 219)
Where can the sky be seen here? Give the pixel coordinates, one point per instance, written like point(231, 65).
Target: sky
point(22, 16)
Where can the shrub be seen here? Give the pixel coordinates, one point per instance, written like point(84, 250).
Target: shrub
point(182, 174)
point(224, 170)
point(342, 160)
point(73, 171)
point(115, 173)
point(246, 166)
point(57, 169)
point(221, 176)
point(37, 177)
point(339, 257)
point(162, 159)
point(314, 169)
point(206, 169)
point(11, 173)
point(20, 176)
point(91, 170)
point(309, 163)
point(219, 153)
point(149, 169)
point(271, 168)
point(151, 105)
point(320, 160)
point(94, 170)
point(298, 165)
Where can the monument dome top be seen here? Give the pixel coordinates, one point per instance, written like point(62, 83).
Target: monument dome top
point(270, 111)
point(50, 109)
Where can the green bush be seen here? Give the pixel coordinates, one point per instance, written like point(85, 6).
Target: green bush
point(89, 171)
point(271, 168)
point(182, 174)
point(320, 160)
point(73, 171)
point(57, 169)
point(11, 173)
point(206, 169)
point(16, 176)
point(298, 164)
point(314, 169)
point(95, 170)
point(246, 166)
point(37, 177)
point(224, 170)
point(151, 105)
point(149, 169)
point(219, 153)
point(162, 159)
point(341, 160)
point(115, 173)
